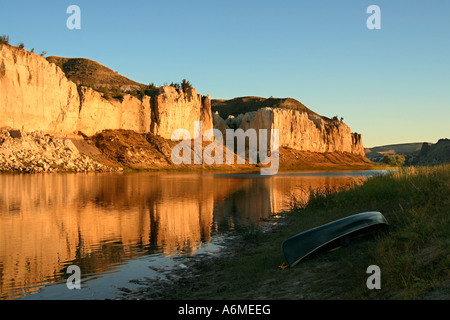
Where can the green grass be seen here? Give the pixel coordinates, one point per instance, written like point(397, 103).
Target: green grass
point(413, 255)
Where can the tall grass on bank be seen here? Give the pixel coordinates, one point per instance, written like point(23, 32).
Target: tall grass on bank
point(416, 254)
point(413, 255)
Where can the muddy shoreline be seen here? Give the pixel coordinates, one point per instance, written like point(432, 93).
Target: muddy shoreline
point(191, 272)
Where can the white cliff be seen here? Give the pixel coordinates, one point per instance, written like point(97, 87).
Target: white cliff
point(35, 95)
point(298, 130)
point(178, 109)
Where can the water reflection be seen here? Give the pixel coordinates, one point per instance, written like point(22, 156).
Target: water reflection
point(99, 221)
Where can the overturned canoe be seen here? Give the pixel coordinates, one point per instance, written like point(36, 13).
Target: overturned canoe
point(305, 243)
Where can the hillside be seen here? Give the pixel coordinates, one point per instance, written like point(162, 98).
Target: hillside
point(419, 153)
point(243, 105)
point(409, 150)
point(401, 148)
point(92, 74)
point(438, 153)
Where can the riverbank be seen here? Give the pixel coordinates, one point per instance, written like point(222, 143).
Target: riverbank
point(413, 255)
point(127, 150)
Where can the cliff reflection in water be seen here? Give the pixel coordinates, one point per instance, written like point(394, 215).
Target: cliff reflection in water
point(98, 221)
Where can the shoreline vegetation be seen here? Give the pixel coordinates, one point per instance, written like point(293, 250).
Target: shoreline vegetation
point(413, 254)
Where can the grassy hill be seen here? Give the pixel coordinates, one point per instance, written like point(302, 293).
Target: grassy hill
point(419, 153)
point(438, 153)
point(402, 148)
point(240, 105)
point(92, 74)
point(409, 150)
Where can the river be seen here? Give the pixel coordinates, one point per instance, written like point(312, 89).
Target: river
point(122, 227)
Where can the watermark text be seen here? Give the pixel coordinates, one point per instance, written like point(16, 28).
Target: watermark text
point(238, 151)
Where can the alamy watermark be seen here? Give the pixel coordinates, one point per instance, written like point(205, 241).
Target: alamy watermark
point(256, 152)
point(374, 280)
point(74, 20)
point(74, 281)
point(258, 141)
point(374, 21)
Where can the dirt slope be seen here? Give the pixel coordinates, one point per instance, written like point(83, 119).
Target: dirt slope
point(91, 73)
point(132, 150)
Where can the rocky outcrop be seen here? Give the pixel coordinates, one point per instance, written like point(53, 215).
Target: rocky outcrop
point(178, 109)
point(299, 130)
point(97, 114)
point(434, 154)
point(35, 95)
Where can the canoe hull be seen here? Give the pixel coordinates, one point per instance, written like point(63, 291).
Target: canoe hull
point(303, 244)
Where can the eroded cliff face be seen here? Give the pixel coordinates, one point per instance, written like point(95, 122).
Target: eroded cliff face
point(35, 95)
point(298, 130)
point(97, 114)
point(177, 109)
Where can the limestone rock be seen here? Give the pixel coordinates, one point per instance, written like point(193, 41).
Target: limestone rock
point(302, 131)
point(34, 94)
point(178, 109)
point(220, 124)
point(97, 114)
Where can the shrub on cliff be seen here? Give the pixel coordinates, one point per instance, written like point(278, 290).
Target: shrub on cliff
point(116, 93)
point(175, 85)
point(337, 119)
point(105, 92)
point(184, 85)
point(4, 39)
point(151, 90)
point(113, 92)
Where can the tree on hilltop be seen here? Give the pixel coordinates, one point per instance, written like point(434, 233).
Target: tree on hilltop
point(184, 85)
point(4, 39)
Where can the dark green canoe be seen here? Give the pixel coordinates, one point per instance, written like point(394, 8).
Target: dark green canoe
point(305, 243)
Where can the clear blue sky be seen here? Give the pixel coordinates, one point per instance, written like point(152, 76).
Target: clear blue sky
point(392, 85)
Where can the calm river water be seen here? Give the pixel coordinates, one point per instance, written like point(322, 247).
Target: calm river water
point(120, 227)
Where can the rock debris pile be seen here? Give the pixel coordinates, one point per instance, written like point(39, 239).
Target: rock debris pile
point(36, 152)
